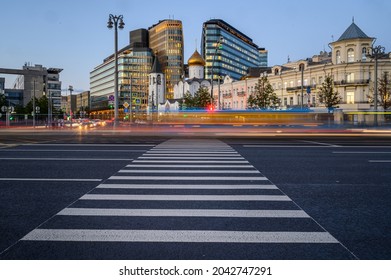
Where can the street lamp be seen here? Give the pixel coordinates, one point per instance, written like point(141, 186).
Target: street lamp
point(70, 88)
point(117, 22)
point(376, 53)
point(218, 45)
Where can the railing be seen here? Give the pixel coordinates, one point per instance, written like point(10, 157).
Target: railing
point(354, 82)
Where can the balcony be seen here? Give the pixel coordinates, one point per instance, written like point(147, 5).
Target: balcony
point(352, 83)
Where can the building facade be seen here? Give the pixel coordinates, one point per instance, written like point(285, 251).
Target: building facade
point(166, 41)
point(228, 52)
point(134, 66)
point(297, 83)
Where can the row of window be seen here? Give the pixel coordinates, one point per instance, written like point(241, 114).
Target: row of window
point(351, 55)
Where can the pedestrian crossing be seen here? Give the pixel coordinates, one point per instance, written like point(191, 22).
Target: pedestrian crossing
point(184, 192)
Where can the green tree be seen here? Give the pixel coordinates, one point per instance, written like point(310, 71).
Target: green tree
point(201, 99)
point(264, 96)
point(327, 94)
point(383, 92)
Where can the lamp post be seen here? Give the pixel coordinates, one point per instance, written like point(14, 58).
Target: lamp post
point(218, 44)
point(376, 53)
point(70, 88)
point(117, 22)
point(302, 86)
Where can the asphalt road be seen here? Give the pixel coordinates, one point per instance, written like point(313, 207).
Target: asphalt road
point(114, 196)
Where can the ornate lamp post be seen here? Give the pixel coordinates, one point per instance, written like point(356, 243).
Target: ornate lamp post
point(375, 53)
point(117, 22)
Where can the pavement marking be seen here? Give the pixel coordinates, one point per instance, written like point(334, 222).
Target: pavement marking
point(184, 178)
point(192, 186)
point(191, 171)
point(186, 197)
point(190, 161)
point(359, 152)
point(184, 213)
point(93, 145)
point(189, 152)
point(379, 161)
point(248, 166)
point(69, 150)
point(189, 157)
point(286, 146)
point(64, 159)
point(87, 235)
point(51, 179)
point(319, 143)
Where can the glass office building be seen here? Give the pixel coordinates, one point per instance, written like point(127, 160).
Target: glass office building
point(134, 65)
point(166, 41)
point(232, 55)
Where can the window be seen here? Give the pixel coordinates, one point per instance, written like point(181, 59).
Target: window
point(350, 77)
point(350, 97)
point(350, 55)
point(338, 57)
point(364, 54)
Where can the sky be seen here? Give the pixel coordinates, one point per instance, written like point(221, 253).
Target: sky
point(73, 34)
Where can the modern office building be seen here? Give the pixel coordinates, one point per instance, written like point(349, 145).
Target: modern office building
point(36, 80)
point(134, 66)
point(166, 41)
point(227, 51)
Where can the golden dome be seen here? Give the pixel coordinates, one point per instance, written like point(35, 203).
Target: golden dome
point(196, 59)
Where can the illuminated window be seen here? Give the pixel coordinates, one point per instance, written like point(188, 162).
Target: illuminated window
point(350, 97)
point(350, 55)
point(338, 57)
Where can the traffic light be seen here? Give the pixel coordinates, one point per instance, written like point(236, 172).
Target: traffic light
point(11, 117)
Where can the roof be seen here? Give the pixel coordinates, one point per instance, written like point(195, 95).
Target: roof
point(196, 59)
point(353, 32)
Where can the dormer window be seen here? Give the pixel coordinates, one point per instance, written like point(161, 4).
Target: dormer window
point(338, 57)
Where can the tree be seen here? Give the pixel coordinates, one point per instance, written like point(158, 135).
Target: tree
point(264, 96)
point(327, 95)
point(383, 92)
point(201, 99)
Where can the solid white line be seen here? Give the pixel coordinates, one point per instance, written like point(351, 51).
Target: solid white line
point(360, 152)
point(319, 143)
point(285, 146)
point(192, 166)
point(90, 235)
point(189, 152)
point(379, 161)
point(188, 157)
point(94, 145)
point(186, 197)
point(190, 171)
point(191, 155)
point(70, 159)
point(184, 213)
point(191, 161)
point(192, 186)
point(205, 178)
point(69, 150)
point(51, 179)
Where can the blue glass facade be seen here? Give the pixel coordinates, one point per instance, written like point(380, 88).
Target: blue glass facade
point(233, 56)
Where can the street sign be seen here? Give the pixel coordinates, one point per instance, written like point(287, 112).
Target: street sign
point(126, 104)
point(4, 109)
point(126, 110)
point(111, 102)
point(111, 97)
